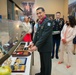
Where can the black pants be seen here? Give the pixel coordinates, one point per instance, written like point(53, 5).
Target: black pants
point(45, 59)
point(57, 42)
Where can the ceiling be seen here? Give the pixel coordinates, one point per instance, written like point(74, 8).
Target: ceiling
point(19, 2)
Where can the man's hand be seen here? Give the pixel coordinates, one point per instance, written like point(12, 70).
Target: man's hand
point(64, 41)
point(31, 45)
point(33, 48)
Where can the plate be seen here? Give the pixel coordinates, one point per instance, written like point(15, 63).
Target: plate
point(21, 53)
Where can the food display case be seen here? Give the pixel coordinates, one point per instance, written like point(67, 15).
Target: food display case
point(13, 51)
point(21, 50)
point(9, 33)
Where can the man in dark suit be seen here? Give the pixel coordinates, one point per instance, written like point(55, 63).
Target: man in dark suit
point(43, 42)
point(57, 27)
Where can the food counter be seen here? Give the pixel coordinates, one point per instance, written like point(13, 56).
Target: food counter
point(18, 58)
point(26, 61)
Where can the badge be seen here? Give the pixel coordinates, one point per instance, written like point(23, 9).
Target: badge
point(49, 24)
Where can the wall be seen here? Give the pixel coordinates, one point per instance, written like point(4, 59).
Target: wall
point(65, 9)
point(3, 8)
point(18, 13)
point(52, 6)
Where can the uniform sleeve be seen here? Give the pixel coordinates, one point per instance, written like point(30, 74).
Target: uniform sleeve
point(54, 25)
point(35, 38)
point(62, 25)
point(46, 32)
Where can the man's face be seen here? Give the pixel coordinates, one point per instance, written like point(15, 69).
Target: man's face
point(58, 15)
point(40, 14)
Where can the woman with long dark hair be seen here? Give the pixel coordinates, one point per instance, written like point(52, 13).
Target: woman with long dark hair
point(67, 35)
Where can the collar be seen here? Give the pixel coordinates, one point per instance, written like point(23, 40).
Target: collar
point(57, 19)
point(41, 21)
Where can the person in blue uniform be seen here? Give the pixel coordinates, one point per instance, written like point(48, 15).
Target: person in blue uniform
point(57, 27)
point(43, 42)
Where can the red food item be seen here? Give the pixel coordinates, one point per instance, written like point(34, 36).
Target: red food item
point(20, 53)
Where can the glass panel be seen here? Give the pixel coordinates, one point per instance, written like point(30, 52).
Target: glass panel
point(10, 32)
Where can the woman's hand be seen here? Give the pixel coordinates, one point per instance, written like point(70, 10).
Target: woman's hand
point(64, 41)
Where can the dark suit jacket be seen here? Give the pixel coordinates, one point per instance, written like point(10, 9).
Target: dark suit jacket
point(43, 36)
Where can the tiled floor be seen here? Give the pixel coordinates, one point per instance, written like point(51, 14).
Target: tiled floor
point(57, 69)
